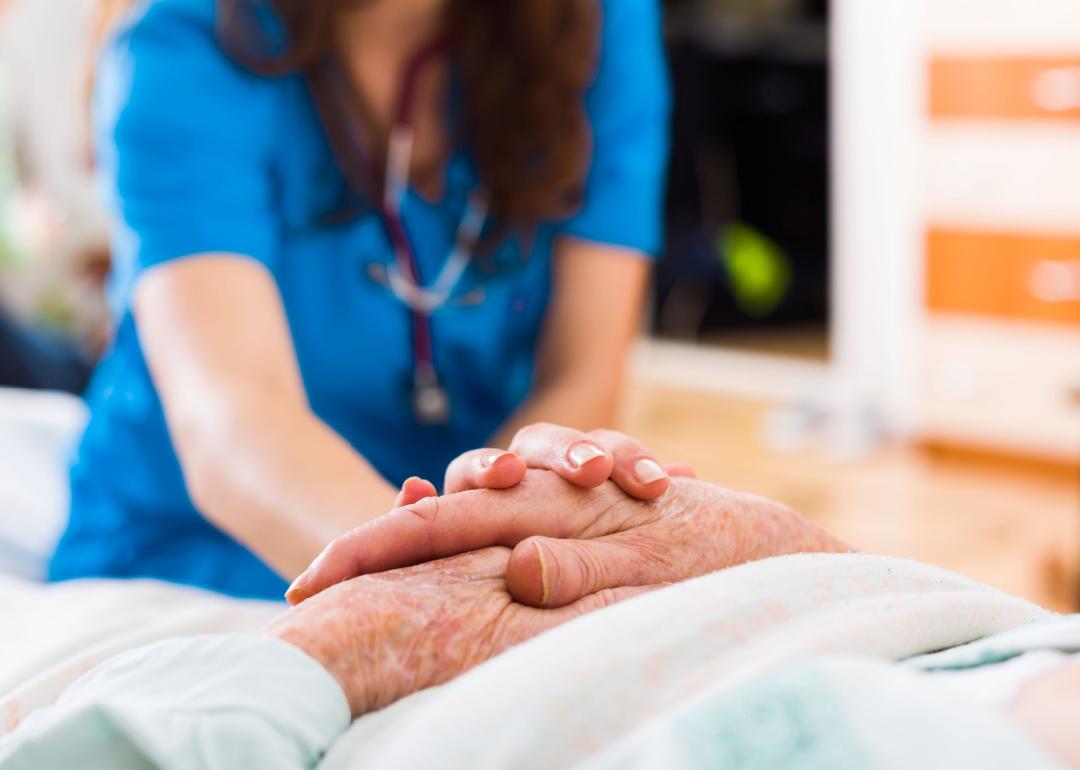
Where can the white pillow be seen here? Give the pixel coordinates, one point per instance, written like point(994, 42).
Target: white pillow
point(38, 431)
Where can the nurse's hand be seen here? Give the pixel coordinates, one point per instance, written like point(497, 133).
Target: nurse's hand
point(584, 459)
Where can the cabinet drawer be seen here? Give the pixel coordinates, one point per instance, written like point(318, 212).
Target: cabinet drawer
point(1004, 275)
point(1018, 177)
point(1000, 384)
point(1011, 88)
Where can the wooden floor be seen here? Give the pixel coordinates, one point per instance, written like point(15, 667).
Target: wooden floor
point(1009, 524)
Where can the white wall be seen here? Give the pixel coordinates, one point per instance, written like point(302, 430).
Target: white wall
point(878, 124)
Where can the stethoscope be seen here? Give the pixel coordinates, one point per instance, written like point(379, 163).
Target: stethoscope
point(430, 400)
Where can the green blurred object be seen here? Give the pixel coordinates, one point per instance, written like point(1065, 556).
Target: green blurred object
point(10, 254)
point(54, 310)
point(759, 269)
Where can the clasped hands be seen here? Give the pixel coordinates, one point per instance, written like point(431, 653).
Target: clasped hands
point(561, 524)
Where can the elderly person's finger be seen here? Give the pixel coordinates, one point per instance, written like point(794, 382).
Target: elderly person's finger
point(414, 490)
point(573, 454)
point(387, 636)
point(548, 572)
point(437, 527)
point(636, 469)
point(430, 529)
point(703, 528)
point(484, 469)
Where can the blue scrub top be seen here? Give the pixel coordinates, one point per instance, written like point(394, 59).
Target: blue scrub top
point(199, 155)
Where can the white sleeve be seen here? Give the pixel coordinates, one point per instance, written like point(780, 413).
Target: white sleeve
point(199, 703)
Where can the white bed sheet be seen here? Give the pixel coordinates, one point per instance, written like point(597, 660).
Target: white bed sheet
point(38, 431)
point(650, 656)
point(52, 633)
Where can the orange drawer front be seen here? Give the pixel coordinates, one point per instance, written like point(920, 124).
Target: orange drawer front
point(1004, 275)
point(1005, 88)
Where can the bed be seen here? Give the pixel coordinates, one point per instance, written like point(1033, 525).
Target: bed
point(733, 646)
point(53, 632)
point(38, 431)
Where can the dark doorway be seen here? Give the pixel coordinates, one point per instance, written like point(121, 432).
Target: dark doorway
point(748, 205)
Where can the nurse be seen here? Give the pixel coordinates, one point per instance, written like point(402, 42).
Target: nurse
point(353, 241)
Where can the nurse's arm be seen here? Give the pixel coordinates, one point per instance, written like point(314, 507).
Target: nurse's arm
point(257, 461)
point(595, 313)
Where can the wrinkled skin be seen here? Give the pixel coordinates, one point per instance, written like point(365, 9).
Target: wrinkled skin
point(569, 542)
point(693, 530)
point(389, 635)
point(385, 629)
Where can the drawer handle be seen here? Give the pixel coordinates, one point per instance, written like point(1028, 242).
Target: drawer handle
point(1055, 281)
point(1057, 90)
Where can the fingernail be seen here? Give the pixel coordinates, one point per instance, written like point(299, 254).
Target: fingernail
point(299, 583)
point(545, 587)
point(647, 471)
point(486, 461)
point(584, 452)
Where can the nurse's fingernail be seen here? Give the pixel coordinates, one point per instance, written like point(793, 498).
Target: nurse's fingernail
point(490, 458)
point(648, 471)
point(584, 452)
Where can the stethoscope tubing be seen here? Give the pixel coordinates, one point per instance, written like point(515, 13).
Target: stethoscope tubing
point(403, 273)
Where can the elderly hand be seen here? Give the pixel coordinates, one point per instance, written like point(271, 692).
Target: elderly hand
point(569, 542)
point(386, 636)
point(584, 459)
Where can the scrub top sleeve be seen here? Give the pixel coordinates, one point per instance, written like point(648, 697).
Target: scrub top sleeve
point(629, 108)
point(184, 140)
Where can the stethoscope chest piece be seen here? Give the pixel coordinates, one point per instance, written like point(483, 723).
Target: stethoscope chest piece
point(430, 401)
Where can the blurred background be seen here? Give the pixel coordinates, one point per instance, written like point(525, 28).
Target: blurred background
point(869, 306)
